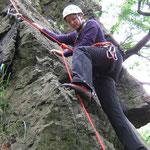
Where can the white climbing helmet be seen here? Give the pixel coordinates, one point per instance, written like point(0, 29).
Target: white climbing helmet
point(71, 9)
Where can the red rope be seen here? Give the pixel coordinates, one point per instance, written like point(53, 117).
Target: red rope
point(101, 44)
point(79, 98)
point(64, 60)
point(63, 46)
point(89, 119)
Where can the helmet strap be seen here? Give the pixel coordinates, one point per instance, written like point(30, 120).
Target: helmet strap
point(79, 18)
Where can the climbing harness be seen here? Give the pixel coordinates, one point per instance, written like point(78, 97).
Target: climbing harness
point(62, 46)
point(111, 52)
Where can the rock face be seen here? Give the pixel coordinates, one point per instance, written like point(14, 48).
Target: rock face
point(52, 114)
point(135, 101)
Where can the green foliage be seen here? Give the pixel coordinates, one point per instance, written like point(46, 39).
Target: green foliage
point(126, 45)
point(116, 26)
point(130, 15)
point(8, 129)
point(145, 133)
point(136, 64)
point(126, 23)
point(62, 27)
point(96, 13)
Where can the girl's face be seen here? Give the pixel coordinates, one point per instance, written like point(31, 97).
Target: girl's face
point(74, 21)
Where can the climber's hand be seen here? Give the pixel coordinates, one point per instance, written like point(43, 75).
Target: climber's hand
point(56, 52)
point(40, 27)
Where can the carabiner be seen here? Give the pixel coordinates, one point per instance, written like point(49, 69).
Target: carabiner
point(11, 11)
point(111, 53)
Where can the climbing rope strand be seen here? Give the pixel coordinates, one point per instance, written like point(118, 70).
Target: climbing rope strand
point(64, 60)
point(14, 6)
point(79, 98)
point(63, 46)
point(89, 119)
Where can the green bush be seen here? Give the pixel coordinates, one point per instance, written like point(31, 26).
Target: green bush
point(8, 129)
point(145, 133)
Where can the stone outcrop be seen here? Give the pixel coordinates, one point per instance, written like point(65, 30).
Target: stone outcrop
point(135, 101)
point(53, 115)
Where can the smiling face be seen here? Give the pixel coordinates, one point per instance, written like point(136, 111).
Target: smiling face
point(74, 21)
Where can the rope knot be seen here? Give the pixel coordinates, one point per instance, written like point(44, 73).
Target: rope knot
point(63, 46)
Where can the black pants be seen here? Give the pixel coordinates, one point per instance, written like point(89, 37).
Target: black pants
point(91, 66)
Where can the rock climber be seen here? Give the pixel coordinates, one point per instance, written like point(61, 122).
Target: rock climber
point(95, 68)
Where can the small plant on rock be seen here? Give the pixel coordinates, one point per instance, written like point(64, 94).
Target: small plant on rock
point(8, 129)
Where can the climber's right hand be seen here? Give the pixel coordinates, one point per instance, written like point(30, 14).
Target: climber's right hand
point(37, 25)
point(56, 52)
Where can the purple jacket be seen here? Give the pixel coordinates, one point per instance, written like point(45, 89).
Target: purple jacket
point(91, 34)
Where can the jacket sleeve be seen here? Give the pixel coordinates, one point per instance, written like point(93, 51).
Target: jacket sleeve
point(67, 53)
point(91, 35)
point(63, 38)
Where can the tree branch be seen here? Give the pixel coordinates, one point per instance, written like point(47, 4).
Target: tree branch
point(138, 46)
point(143, 57)
point(147, 83)
point(141, 12)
